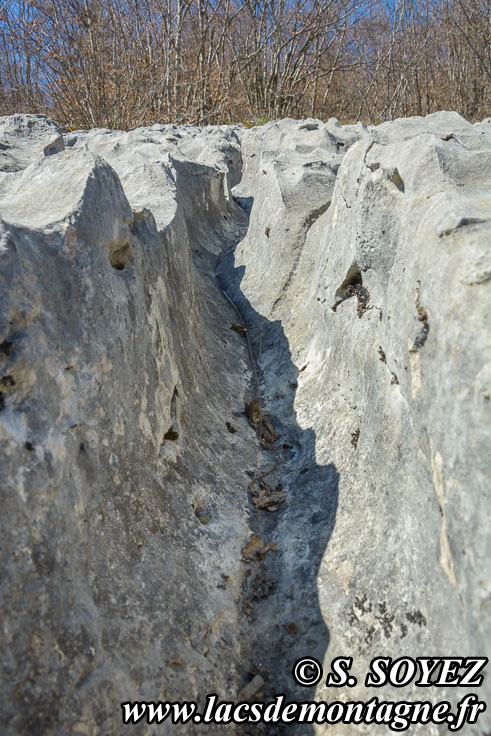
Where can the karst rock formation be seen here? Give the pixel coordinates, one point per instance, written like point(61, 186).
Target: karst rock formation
point(161, 539)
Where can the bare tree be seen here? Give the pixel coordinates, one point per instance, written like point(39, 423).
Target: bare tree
point(123, 63)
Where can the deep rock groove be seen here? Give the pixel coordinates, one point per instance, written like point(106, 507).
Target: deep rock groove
point(244, 415)
point(282, 620)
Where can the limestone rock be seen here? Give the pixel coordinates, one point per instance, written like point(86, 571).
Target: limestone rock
point(357, 262)
point(24, 138)
point(118, 374)
point(393, 386)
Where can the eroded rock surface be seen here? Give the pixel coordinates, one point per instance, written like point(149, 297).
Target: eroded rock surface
point(25, 138)
point(383, 301)
point(124, 494)
point(356, 265)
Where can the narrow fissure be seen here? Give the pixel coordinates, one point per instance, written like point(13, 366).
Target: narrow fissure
point(292, 505)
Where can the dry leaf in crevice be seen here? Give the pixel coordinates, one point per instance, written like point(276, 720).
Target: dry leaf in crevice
point(256, 548)
point(268, 498)
point(268, 433)
point(263, 588)
point(247, 609)
point(239, 329)
point(291, 628)
point(262, 423)
point(251, 689)
point(253, 412)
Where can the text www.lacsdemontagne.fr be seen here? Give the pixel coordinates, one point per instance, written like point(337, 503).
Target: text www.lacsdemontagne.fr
point(397, 716)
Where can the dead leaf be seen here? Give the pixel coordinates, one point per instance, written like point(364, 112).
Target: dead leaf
point(268, 431)
point(239, 329)
point(247, 609)
point(253, 412)
point(250, 689)
point(268, 498)
point(256, 548)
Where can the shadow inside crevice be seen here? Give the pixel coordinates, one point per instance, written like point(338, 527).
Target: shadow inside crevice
point(281, 617)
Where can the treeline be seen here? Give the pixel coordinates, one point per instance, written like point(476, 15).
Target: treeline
point(124, 63)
